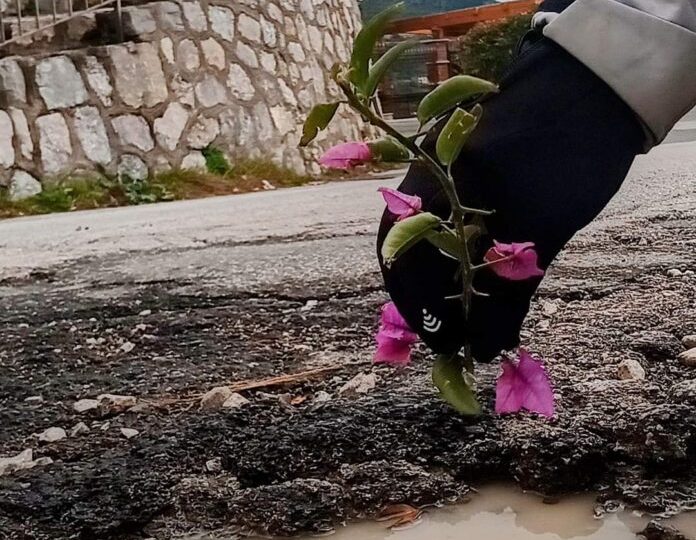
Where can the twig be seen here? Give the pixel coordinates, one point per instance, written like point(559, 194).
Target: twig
point(252, 384)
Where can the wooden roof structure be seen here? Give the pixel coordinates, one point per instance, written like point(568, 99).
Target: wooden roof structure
point(458, 22)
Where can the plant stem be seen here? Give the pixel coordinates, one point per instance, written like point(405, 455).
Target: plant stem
point(447, 183)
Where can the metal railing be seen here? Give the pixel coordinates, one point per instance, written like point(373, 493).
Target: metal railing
point(27, 18)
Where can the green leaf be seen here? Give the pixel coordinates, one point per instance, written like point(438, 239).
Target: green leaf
point(449, 379)
point(447, 240)
point(450, 94)
point(381, 66)
point(389, 150)
point(456, 132)
point(407, 233)
point(365, 42)
point(319, 118)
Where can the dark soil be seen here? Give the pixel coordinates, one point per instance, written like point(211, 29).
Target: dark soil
point(286, 469)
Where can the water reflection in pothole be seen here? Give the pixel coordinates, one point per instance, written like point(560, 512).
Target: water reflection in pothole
point(504, 513)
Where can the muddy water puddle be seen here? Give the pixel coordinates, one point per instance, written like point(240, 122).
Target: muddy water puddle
point(498, 513)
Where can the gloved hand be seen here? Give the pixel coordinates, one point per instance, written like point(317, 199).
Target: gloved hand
point(551, 150)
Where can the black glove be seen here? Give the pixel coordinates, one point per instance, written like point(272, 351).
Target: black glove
point(550, 152)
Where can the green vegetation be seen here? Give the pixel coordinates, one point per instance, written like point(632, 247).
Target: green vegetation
point(82, 193)
point(487, 50)
point(215, 160)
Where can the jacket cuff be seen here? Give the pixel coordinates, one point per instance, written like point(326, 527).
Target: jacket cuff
point(648, 61)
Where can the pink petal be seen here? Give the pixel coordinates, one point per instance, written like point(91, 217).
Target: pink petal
point(524, 385)
point(393, 352)
point(346, 155)
point(394, 339)
point(400, 204)
point(517, 261)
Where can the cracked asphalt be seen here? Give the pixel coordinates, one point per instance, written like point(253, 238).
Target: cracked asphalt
point(242, 288)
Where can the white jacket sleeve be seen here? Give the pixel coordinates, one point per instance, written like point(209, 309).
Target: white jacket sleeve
point(644, 49)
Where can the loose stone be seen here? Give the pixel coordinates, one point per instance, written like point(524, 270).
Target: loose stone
point(688, 358)
point(51, 435)
point(630, 369)
point(215, 398)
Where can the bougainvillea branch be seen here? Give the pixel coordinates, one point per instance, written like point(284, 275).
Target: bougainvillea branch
point(359, 80)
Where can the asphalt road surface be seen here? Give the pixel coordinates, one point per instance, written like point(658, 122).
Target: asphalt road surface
point(162, 303)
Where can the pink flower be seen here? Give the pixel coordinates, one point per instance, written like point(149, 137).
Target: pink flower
point(401, 205)
point(524, 385)
point(515, 262)
point(394, 339)
point(346, 155)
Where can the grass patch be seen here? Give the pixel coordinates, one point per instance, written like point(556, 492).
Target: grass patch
point(83, 193)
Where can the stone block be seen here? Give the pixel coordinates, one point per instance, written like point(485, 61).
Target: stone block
point(222, 22)
point(138, 21)
point(23, 185)
point(246, 55)
point(22, 133)
point(183, 91)
point(195, 17)
point(54, 143)
point(167, 48)
point(203, 133)
point(240, 83)
point(91, 132)
point(169, 16)
point(98, 79)
point(59, 83)
point(133, 130)
point(187, 55)
point(296, 51)
point(194, 161)
point(214, 54)
point(268, 62)
point(210, 92)
point(169, 128)
point(283, 119)
point(130, 166)
point(7, 153)
point(138, 76)
point(249, 28)
point(269, 32)
point(13, 87)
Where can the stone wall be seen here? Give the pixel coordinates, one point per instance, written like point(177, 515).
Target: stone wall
point(238, 75)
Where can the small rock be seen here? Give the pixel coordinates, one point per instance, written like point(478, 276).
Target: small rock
point(674, 272)
point(688, 358)
point(630, 369)
point(23, 460)
point(322, 397)
point(267, 185)
point(145, 313)
point(34, 399)
point(85, 405)
point(214, 465)
point(115, 404)
point(215, 398)
point(235, 401)
point(549, 308)
point(79, 429)
point(362, 383)
point(105, 426)
point(51, 435)
point(689, 342)
point(127, 347)
point(129, 433)
point(310, 305)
